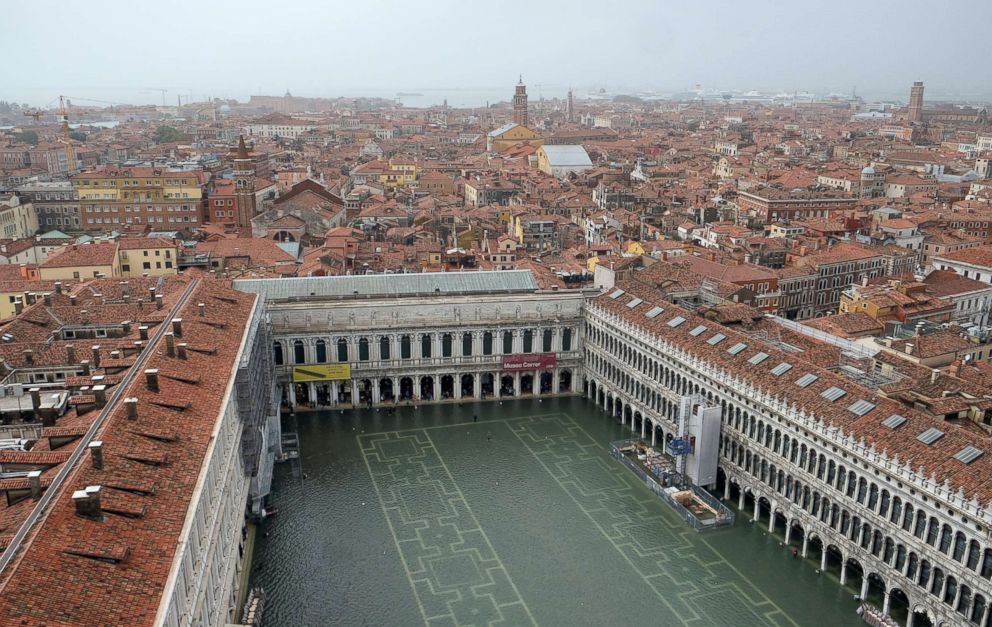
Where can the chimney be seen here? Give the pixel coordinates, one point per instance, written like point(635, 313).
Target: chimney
point(170, 344)
point(95, 354)
point(86, 316)
point(72, 300)
point(34, 480)
point(182, 350)
point(100, 393)
point(115, 354)
point(909, 349)
point(177, 326)
point(28, 356)
point(86, 366)
point(35, 398)
point(151, 294)
point(99, 298)
point(88, 502)
point(96, 454)
point(70, 353)
point(158, 301)
point(125, 288)
point(934, 375)
point(58, 287)
point(48, 299)
point(143, 332)
point(131, 405)
point(18, 306)
point(202, 307)
point(151, 379)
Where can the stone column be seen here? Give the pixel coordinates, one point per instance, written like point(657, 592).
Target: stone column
point(554, 381)
point(757, 509)
point(843, 571)
point(805, 544)
point(823, 558)
point(654, 438)
point(771, 522)
point(957, 598)
point(312, 388)
point(457, 379)
point(912, 615)
point(292, 393)
point(335, 386)
point(375, 392)
point(437, 388)
point(864, 585)
point(477, 385)
point(885, 603)
point(788, 529)
point(516, 384)
point(354, 392)
point(476, 343)
point(518, 341)
point(985, 614)
point(644, 426)
point(740, 499)
point(861, 533)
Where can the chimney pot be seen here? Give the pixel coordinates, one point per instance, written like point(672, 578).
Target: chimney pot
point(48, 299)
point(58, 287)
point(86, 316)
point(86, 366)
point(100, 393)
point(70, 353)
point(151, 379)
point(96, 454)
point(143, 332)
point(158, 301)
point(170, 344)
point(88, 502)
point(131, 405)
point(182, 350)
point(95, 350)
point(28, 356)
point(18, 306)
point(177, 327)
point(202, 307)
point(34, 479)
point(35, 398)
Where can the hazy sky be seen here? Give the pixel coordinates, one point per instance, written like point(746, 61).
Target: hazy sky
point(118, 51)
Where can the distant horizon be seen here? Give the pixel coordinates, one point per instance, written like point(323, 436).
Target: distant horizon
point(479, 96)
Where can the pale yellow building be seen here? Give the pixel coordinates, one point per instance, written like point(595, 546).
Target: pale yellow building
point(82, 261)
point(154, 256)
point(17, 219)
point(512, 134)
point(23, 292)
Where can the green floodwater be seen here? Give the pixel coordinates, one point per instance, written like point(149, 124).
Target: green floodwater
point(423, 516)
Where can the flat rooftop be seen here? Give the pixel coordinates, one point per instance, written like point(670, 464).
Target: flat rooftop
point(366, 285)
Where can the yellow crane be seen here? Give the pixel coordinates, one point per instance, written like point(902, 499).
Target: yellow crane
point(70, 157)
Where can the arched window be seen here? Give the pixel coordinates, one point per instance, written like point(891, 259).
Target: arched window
point(546, 342)
point(342, 350)
point(277, 353)
point(384, 347)
point(566, 339)
point(446, 345)
point(487, 343)
point(467, 344)
point(299, 352)
point(363, 349)
point(321, 352)
point(528, 341)
point(405, 347)
point(425, 346)
point(507, 342)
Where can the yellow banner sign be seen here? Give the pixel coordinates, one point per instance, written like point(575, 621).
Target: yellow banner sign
point(321, 372)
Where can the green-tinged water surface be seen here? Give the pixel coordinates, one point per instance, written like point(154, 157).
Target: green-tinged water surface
point(424, 516)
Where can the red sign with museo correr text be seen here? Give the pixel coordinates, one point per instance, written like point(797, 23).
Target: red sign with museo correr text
point(538, 361)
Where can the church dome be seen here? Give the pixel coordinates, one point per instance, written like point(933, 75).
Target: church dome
point(868, 170)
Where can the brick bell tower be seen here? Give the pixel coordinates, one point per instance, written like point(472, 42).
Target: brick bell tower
point(244, 185)
point(520, 103)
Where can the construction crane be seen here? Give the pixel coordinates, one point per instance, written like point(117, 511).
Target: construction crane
point(164, 91)
point(36, 114)
point(70, 159)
